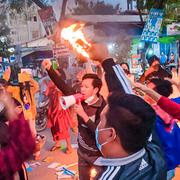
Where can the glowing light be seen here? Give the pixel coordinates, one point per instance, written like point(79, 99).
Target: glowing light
point(111, 46)
point(93, 173)
point(150, 52)
point(141, 45)
point(75, 36)
point(11, 50)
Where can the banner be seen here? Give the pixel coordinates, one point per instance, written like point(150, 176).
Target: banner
point(153, 25)
point(48, 19)
point(60, 51)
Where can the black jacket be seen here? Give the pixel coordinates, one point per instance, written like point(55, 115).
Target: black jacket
point(86, 135)
point(148, 163)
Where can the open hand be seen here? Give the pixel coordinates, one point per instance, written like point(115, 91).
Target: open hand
point(99, 52)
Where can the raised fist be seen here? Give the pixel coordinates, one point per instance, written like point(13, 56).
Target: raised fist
point(99, 52)
point(47, 64)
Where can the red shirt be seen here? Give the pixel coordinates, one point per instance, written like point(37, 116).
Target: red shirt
point(170, 107)
point(20, 147)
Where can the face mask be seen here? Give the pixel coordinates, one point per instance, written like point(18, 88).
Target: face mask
point(99, 146)
point(89, 100)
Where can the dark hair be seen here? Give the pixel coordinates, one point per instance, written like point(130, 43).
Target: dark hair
point(97, 82)
point(127, 71)
point(152, 59)
point(163, 87)
point(132, 118)
point(124, 63)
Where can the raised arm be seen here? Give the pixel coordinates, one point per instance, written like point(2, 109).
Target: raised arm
point(114, 75)
point(165, 103)
point(170, 107)
point(58, 81)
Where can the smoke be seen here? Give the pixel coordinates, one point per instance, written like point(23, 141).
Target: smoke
point(119, 38)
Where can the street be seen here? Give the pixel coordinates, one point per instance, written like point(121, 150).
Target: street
point(42, 171)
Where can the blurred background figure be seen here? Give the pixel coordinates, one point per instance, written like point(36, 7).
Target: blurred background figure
point(18, 143)
point(167, 117)
point(59, 120)
point(172, 58)
point(163, 59)
point(126, 69)
point(154, 70)
point(65, 73)
point(24, 91)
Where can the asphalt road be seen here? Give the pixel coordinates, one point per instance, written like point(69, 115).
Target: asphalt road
point(42, 172)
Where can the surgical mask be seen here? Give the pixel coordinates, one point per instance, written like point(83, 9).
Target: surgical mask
point(89, 100)
point(99, 146)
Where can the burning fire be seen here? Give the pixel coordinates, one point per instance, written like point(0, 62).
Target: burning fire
point(75, 36)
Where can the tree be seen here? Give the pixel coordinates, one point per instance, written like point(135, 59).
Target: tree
point(100, 8)
point(19, 5)
point(4, 31)
point(171, 8)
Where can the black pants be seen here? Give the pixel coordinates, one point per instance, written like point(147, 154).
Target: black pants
point(85, 165)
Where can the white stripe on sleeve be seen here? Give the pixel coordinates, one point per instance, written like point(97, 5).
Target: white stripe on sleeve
point(109, 169)
point(122, 78)
point(114, 173)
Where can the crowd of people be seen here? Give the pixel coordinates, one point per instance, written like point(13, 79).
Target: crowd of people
point(127, 128)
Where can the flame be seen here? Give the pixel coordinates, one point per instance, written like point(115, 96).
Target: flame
point(75, 36)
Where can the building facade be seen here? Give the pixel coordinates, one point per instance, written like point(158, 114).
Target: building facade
point(26, 26)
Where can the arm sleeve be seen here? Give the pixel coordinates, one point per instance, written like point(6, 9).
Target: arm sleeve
point(19, 148)
point(91, 125)
point(66, 90)
point(115, 77)
point(170, 107)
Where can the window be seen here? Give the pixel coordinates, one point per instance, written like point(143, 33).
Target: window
point(35, 19)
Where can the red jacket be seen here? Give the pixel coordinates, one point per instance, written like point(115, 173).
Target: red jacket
point(170, 107)
point(19, 148)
